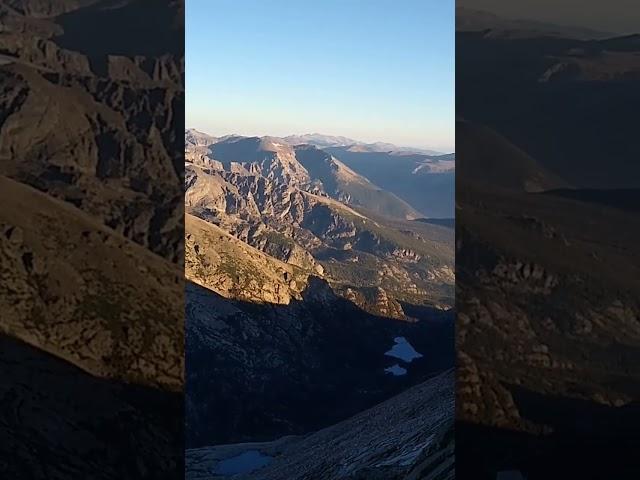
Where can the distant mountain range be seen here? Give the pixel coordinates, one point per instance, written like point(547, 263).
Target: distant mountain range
point(383, 178)
point(194, 136)
point(322, 141)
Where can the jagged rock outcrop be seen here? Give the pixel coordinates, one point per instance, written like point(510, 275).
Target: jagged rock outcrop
point(376, 301)
point(109, 140)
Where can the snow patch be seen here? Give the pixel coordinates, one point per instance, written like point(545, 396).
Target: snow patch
point(396, 370)
point(403, 350)
point(438, 166)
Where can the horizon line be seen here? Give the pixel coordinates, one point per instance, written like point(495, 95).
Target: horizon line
point(444, 151)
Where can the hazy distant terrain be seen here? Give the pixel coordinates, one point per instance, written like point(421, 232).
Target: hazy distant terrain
point(425, 181)
point(323, 141)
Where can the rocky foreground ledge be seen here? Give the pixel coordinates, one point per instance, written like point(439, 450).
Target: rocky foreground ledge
point(407, 437)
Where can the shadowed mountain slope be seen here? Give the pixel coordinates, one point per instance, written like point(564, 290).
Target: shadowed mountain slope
point(488, 158)
point(427, 182)
point(406, 437)
point(44, 402)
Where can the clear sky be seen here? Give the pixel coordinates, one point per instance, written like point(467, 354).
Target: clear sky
point(373, 70)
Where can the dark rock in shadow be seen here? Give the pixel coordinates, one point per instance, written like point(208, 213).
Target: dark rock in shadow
point(59, 422)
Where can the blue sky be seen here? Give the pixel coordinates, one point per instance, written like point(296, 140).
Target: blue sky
point(373, 70)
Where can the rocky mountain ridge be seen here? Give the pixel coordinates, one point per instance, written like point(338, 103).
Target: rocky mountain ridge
point(270, 200)
point(304, 166)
